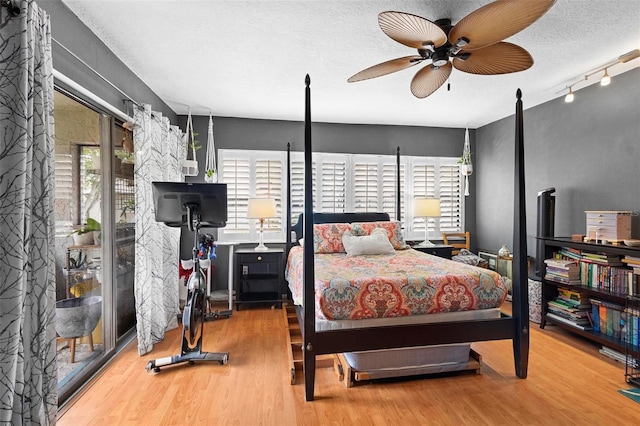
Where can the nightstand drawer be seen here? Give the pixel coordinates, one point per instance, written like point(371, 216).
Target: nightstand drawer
point(440, 250)
point(259, 257)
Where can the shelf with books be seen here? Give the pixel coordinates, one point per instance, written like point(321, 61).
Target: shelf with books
point(603, 277)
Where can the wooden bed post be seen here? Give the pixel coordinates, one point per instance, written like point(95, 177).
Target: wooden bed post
point(309, 332)
point(520, 271)
point(288, 216)
point(398, 194)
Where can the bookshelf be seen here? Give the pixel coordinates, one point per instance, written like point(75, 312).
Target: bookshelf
point(608, 281)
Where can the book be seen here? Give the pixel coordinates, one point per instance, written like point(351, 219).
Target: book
point(603, 319)
point(616, 323)
point(595, 316)
point(558, 318)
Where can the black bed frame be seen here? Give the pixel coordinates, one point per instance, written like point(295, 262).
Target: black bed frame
point(514, 327)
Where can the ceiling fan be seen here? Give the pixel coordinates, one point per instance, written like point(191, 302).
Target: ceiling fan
point(474, 45)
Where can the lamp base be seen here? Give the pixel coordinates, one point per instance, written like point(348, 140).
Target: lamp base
point(425, 243)
point(261, 247)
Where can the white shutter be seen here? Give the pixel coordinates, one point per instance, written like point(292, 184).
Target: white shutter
point(390, 189)
point(235, 172)
point(450, 198)
point(365, 189)
point(268, 184)
point(333, 185)
point(297, 187)
point(63, 188)
point(423, 173)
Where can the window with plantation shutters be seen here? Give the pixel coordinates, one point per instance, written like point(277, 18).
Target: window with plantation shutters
point(435, 178)
point(252, 174)
point(341, 183)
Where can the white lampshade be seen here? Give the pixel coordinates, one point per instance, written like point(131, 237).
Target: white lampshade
point(261, 208)
point(426, 207)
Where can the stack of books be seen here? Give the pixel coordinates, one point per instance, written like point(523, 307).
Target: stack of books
point(565, 271)
point(572, 308)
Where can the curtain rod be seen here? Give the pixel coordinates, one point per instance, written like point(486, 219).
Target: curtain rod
point(92, 96)
point(127, 97)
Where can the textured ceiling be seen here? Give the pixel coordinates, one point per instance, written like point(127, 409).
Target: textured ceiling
point(249, 58)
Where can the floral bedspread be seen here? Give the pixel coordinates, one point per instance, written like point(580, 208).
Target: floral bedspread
point(407, 282)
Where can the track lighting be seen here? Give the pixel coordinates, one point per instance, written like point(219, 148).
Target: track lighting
point(605, 80)
point(569, 97)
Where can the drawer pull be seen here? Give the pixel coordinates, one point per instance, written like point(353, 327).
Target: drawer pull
point(259, 257)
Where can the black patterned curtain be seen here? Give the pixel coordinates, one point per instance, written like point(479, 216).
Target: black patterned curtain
point(28, 383)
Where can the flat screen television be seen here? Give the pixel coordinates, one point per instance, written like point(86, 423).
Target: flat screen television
point(171, 198)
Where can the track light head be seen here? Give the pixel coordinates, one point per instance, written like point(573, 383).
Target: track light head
point(569, 97)
point(606, 80)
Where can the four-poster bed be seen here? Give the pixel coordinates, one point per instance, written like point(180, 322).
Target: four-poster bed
point(319, 339)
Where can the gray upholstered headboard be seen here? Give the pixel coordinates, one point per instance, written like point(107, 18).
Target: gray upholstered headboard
point(339, 218)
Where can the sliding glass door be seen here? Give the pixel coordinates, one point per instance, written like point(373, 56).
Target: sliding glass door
point(94, 213)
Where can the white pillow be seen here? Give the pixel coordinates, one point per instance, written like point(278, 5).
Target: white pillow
point(301, 242)
point(375, 243)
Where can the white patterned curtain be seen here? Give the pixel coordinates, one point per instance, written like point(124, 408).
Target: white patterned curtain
point(160, 150)
point(28, 378)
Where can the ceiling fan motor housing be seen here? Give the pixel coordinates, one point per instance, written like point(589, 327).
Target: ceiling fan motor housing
point(440, 58)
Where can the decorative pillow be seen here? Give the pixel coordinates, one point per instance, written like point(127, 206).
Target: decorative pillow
point(327, 237)
point(375, 243)
point(301, 242)
point(393, 228)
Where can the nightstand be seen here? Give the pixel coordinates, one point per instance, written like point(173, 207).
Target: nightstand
point(441, 250)
point(258, 276)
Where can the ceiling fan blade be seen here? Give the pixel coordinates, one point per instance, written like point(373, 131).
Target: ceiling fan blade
point(496, 21)
point(386, 68)
point(411, 30)
point(499, 58)
point(429, 79)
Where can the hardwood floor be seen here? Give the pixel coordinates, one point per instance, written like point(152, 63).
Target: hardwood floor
point(569, 382)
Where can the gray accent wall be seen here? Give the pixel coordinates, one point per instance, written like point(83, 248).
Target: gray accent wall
point(589, 150)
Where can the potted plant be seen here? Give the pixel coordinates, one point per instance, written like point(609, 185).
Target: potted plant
point(128, 210)
point(85, 235)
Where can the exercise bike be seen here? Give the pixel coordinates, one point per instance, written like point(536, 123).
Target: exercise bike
point(195, 311)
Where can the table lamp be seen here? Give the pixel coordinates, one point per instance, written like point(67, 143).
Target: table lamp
point(261, 208)
point(427, 208)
